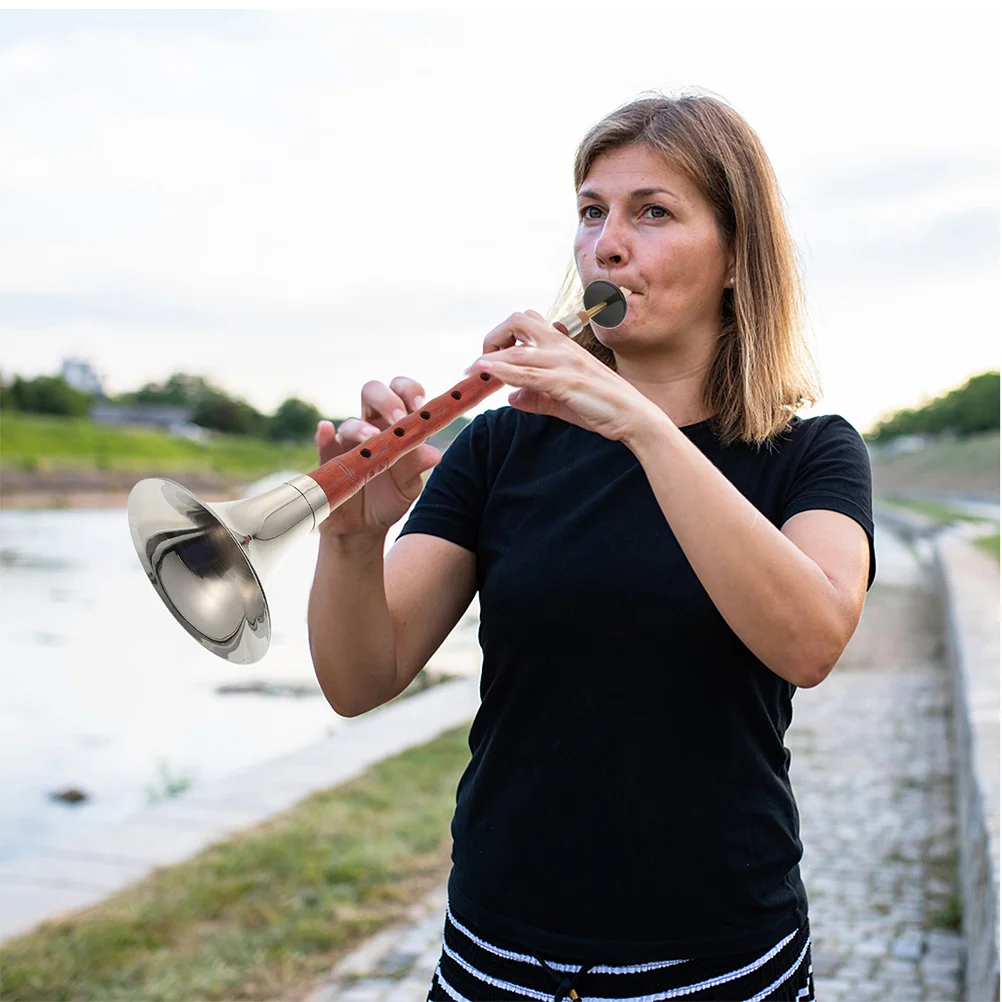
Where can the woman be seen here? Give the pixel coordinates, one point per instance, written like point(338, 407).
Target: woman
point(664, 554)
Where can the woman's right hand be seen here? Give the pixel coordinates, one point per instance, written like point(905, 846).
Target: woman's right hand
point(385, 498)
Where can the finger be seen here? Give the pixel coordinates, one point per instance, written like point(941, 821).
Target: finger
point(532, 401)
point(380, 405)
point(529, 328)
point(408, 470)
point(501, 337)
point(515, 360)
point(353, 432)
point(324, 434)
point(410, 391)
point(326, 440)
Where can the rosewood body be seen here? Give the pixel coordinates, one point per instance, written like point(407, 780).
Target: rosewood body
point(348, 473)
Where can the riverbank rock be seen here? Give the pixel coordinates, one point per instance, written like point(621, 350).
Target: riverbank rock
point(71, 795)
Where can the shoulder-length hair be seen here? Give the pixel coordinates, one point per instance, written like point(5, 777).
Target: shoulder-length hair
point(762, 371)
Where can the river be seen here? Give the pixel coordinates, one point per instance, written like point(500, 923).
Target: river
point(104, 692)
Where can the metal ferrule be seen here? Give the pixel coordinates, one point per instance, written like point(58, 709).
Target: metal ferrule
point(314, 495)
point(573, 323)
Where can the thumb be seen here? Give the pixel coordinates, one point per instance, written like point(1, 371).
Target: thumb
point(325, 438)
point(409, 469)
point(532, 401)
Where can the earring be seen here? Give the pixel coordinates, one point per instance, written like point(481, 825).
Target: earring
point(732, 281)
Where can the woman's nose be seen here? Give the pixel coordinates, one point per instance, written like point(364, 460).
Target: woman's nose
point(611, 248)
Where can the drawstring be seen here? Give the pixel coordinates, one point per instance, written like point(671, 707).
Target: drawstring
point(565, 985)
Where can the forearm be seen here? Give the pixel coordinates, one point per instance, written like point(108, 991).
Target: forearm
point(351, 631)
point(776, 599)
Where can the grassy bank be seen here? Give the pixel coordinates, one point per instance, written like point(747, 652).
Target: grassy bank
point(946, 515)
point(267, 913)
point(965, 466)
point(938, 510)
point(37, 442)
point(990, 544)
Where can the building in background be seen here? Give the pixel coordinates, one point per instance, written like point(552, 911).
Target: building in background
point(175, 420)
point(79, 374)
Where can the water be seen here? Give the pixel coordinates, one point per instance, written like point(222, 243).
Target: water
point(101, 689)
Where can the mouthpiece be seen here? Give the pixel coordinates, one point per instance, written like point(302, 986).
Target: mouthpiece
point(605, 305)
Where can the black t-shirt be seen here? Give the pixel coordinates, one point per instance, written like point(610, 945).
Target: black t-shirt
point(628, 796)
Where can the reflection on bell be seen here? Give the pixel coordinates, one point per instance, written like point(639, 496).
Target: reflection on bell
point(206, 561)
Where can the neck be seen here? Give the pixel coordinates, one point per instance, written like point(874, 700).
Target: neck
point(673, 381)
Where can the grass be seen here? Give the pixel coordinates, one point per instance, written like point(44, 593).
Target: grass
point(939, 510)
point(37, 442)
point(266, 913)
point(965, 466)
point(990, 544)
point(947, 515)
point(950, 915)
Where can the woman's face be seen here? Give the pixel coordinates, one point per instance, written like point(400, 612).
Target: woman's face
point(648, 228)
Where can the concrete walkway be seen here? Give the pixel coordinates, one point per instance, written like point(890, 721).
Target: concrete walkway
point(873, 773)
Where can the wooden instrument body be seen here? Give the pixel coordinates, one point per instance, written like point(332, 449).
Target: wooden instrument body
point(345, 475)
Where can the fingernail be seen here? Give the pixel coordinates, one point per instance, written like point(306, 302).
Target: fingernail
point(399, 415)
point(419, 401)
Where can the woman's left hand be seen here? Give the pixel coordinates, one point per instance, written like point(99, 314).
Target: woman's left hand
point(555, 376)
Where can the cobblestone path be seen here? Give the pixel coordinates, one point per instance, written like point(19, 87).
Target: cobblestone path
point(872, 772)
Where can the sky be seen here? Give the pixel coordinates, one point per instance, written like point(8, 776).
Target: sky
point(292, 204)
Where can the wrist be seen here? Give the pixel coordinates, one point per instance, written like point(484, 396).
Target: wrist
point(350, 544)
point(648, 427)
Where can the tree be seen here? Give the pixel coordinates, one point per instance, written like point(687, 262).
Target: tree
point(210, 406)
point(179, 390)
point(46, 395)
point(294, 421)
point(214, 409)
point(971, 408)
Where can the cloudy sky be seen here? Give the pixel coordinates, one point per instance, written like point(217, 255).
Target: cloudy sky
point(295, 203)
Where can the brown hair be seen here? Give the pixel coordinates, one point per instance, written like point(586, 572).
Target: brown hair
point(762, 371)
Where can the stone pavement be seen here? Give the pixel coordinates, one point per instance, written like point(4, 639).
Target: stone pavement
point(873, 776)
point(872, 769)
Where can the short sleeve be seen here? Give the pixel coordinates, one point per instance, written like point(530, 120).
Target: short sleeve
point(834, 475)
point(452, 502)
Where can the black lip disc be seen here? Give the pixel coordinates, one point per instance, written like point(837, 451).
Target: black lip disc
point(615, 313)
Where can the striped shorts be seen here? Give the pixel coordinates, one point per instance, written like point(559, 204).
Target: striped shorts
point(472, 969)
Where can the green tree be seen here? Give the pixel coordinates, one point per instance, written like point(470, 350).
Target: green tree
point(214, 409)
point(210, 406)
point(46, 395)
point(179, 390)
point(294, 421)
point(967, 410)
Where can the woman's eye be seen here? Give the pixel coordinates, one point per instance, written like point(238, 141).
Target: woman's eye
point(659, 211)
point(587, 210)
